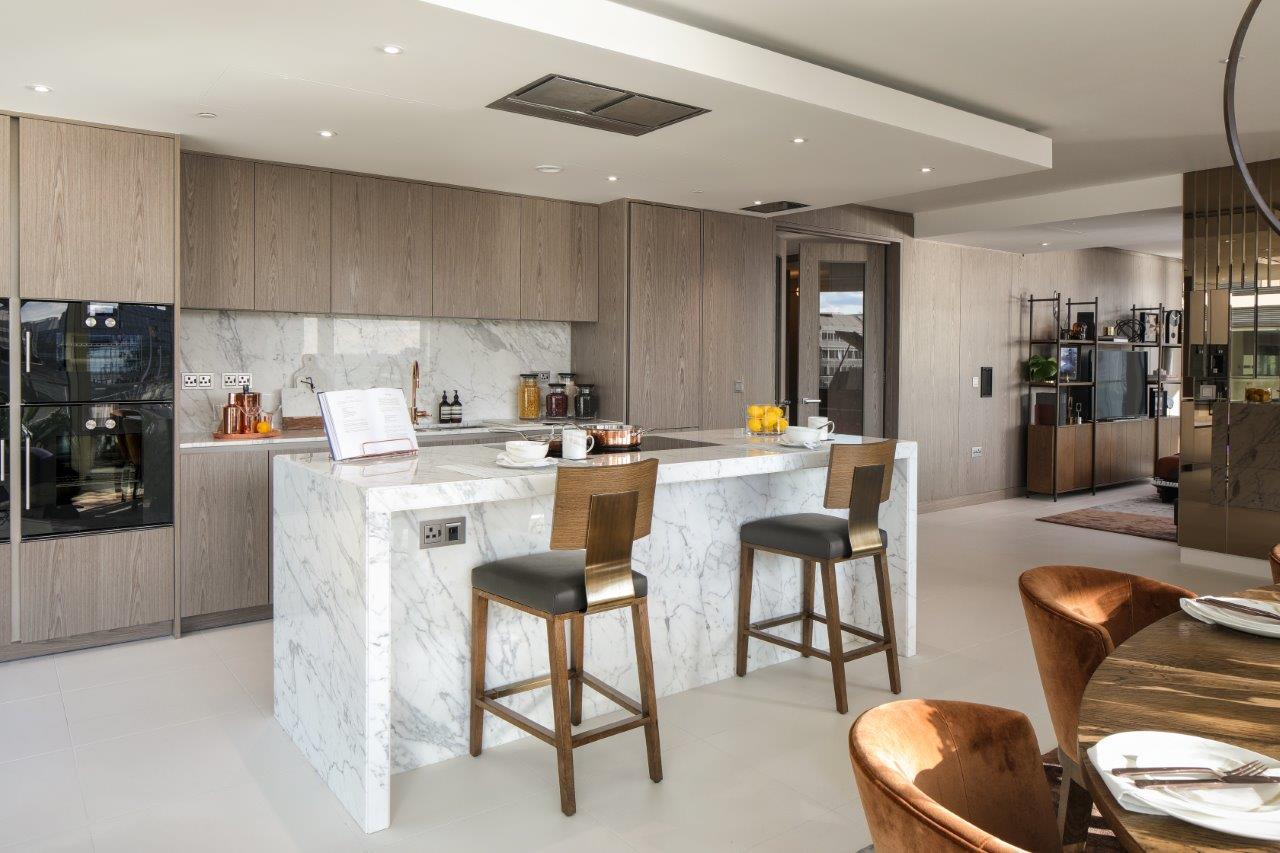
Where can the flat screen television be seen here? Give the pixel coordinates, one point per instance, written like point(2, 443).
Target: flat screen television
point(1122, 384)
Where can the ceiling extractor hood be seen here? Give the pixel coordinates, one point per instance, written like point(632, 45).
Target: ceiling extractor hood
point(595, 105)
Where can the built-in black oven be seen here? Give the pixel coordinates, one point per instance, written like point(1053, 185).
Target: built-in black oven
point(95, 466)
point(80, 352)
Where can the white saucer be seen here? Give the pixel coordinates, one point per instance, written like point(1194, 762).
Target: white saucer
point(505, 461)
point(799, 445)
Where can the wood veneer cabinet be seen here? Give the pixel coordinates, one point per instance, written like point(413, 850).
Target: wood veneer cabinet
point(738, 316)
point(476, 254)
point(1126, 450)
point(225, 513)
point(6, 217)
point(291, 239)
point(6, 595)
point(1075, 458)
point(559, 269)
point(665, 310)
point(381, 247)
point(97, 212)
point(82, 584)
point(217, 233)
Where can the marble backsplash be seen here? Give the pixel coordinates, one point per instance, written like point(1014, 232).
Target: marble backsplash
point(481, 359)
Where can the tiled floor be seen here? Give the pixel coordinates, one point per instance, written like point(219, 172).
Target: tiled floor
point(164, 745)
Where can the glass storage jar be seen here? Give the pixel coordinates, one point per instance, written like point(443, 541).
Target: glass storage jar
point(557, 401)
point(529, 397)
point(586, 406)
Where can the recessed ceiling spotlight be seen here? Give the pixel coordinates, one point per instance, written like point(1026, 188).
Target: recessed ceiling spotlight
point(327, 134)
point(697, 191)
point(40, 88)
point(799, 140)
point(391, 49)
point(548, 169)
point(206, 115)
point(1044, 244)
point(612, 178)
point(926, 169)
point(757, 201)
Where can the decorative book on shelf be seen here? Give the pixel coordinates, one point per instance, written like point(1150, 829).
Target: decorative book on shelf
point(367, 424)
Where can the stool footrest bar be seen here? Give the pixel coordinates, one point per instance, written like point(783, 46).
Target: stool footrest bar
point(609, 729)
point(518, 720)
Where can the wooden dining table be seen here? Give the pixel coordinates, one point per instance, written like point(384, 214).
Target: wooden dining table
point(1181, 675)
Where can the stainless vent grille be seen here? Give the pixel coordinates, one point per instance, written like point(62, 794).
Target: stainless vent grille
point(594, 105)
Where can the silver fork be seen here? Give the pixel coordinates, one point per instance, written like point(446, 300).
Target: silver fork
point(1253, 773)
point(1243, 770)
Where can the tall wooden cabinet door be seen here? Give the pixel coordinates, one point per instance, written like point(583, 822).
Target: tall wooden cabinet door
point(666, 309)
point(476, 254)
point(7, 190)
point(97, 213)
point(559, 260)
point(6, 595)
point(217, 233)
point(291, 239)
point(82, 584)
point(381, 247)
point(738, 322)
point(225, 514)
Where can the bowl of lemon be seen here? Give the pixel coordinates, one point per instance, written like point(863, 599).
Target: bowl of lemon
point(765, 419)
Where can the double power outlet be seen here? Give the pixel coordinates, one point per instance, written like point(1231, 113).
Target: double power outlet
point(204, 381)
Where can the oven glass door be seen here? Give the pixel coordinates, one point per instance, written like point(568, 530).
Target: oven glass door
point(96, 467)
point(83, 352)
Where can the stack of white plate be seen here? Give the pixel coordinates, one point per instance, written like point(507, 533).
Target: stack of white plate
point(1259, 625)
point(1252, 811)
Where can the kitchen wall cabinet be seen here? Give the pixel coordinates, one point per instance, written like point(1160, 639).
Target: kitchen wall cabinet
point(82, 584)
point(291, 239)
point(97, 218)
point(559, 272)
point(476, 254)
point(7, 190)
point(738, 316)
point(381, 247)
point(665, 314)
point(225, 513)
point(217, 233)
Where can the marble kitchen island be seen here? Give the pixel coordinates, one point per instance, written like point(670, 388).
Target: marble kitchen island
point(371, 633)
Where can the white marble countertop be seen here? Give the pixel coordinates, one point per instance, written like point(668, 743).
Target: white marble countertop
point(469, 474)
point(204, 440)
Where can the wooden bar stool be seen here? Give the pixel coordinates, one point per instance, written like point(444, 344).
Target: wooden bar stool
point(602, 510)
point(859, 477)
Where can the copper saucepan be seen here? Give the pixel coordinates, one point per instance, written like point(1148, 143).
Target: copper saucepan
point(615, 436)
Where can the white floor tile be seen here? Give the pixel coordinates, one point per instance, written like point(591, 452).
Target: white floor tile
point(76, 840)
point(39, 795)
point(32, 726)
point(27, 679)
point(92, 667)
point(127, 707)
point(527, 825)
point(237, 641)
point(256, 675)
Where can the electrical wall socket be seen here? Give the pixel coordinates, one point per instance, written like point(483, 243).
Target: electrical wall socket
point(197, 380)
point(440, 532)
point(738, 386)
point(544, 375)
point(236, 380)
point(975, 452)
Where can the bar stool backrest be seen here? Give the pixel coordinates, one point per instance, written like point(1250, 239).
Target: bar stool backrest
point(859, 477)
point(604, 510)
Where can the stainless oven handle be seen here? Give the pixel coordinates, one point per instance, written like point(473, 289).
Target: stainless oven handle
point(26, 488)
point(26, 349)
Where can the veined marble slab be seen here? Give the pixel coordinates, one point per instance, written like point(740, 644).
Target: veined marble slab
point(372, 634)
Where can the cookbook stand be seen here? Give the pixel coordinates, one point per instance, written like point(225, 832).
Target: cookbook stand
point(376, 451)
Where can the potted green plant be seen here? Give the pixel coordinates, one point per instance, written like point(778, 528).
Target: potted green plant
point(1041, 368)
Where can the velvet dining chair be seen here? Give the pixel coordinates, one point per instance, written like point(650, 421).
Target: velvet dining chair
point(1275, 564)
point(951, 776)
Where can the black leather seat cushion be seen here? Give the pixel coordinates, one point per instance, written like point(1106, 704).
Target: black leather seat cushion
point(814, 534)
point(551, 581)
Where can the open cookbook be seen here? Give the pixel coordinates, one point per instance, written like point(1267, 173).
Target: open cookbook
point(366, 423)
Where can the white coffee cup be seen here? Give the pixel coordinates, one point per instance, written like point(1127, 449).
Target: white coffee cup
point(818, 422)
point(526, 451)
point(802, 435)
point(576, 443)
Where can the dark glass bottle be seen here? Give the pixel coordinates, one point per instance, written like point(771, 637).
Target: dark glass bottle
point(586, 406)
point(456, 406)
point(446, 410)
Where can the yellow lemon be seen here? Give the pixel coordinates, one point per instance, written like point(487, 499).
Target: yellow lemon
point(755, 425)
point(776, 411)
point(782, 424)
point(263, 427)
point(755, 411)
point(770, 419)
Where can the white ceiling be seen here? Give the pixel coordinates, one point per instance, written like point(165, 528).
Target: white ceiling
point(276, 71)
point(1154, 232)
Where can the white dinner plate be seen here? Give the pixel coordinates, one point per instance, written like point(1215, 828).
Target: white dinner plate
point(1230, 619)
point(505, 461)
point(1248, 810)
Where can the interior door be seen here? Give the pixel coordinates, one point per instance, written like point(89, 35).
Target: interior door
point(840, 340)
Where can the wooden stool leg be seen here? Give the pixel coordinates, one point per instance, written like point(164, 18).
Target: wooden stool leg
point(806, 607)
point(479, 648)
point(648, 697)
point(560, 711)
point(745, 566)
point(886, 619)
point(834, 639)
point(576, 654)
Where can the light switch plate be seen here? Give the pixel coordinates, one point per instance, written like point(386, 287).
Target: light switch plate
point(975, 452)
point(976, 382)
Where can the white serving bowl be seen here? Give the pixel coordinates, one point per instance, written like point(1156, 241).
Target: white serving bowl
point(526, 451)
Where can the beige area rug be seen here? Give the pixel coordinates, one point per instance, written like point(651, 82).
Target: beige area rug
point(1147, 517)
